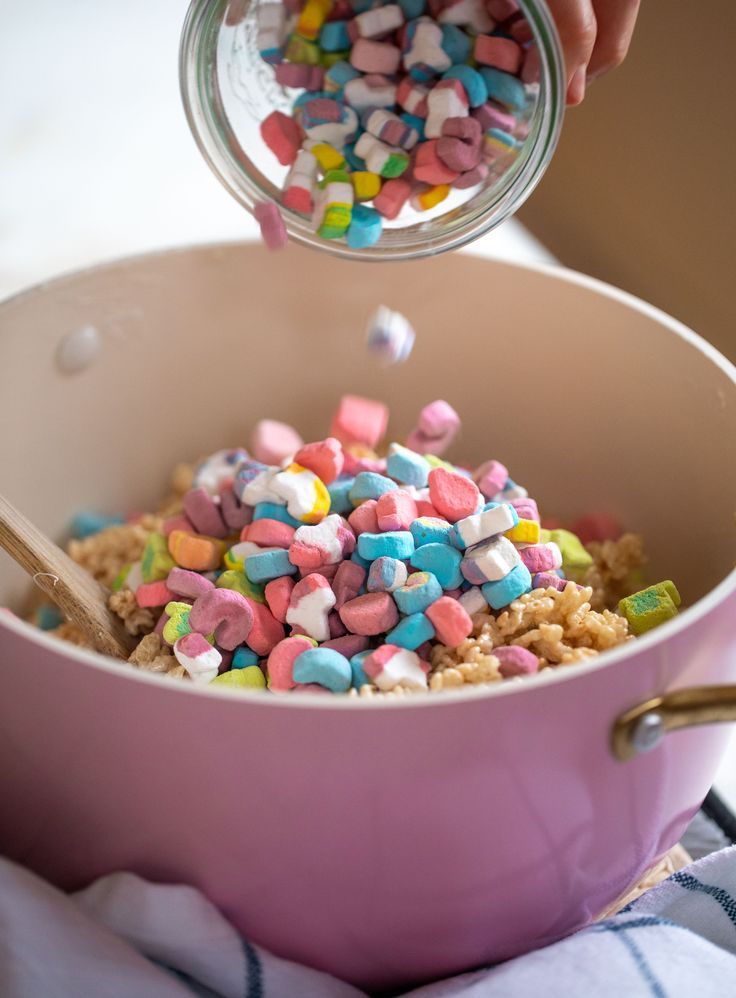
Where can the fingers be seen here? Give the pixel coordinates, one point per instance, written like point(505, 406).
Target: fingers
point(577, 28)
point(616, 20)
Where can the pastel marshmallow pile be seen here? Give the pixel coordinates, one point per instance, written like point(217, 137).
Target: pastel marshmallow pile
point(328, 565)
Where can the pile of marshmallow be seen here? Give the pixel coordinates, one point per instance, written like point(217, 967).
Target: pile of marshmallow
point(324, 566)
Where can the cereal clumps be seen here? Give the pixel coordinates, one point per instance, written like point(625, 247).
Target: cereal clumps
point(616, 569)
point(137, 619)
point(105, 554)
point(559, 627)
point(69, 631)
point(154, 655)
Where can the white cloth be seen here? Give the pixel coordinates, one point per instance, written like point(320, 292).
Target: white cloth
point(123, 937)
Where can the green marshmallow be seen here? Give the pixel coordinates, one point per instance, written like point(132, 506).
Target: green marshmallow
point(156, 562)
point(650, 607)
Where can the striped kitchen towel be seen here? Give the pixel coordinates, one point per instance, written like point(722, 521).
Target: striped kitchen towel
point(123, 937)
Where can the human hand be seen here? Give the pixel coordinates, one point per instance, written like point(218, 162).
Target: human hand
point(595, 36)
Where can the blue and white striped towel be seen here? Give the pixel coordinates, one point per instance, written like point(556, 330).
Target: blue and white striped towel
point(123, 937)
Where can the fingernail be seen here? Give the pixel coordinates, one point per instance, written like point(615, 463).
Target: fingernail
point(576, 90)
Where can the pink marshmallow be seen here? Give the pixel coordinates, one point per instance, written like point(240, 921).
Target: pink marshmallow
point(364, 519)
point(178, 522)
point(235, 513)
point(278, 593)
point(453, 495)
point(472, 177)
point(450, 621)
point(272, 442)
point(347, 583)
point(283, 136)
point(273, 229)
point(268, 533)
point(266, 631)
point(429, 168)
point(425, 508)
point(396, 510)
point(373, 613)
point(360, 420)
point(501, 53)
point(299, 75)
point(325, 458)
point(337, 628)
point(225, 613)
point(550, 580)
point(326, 571)
point(516, 661)
point(491, 478)
point(151, 594)
point(185, 583)
point(438, 418)
point(204, 513)
point(375, 57)
point(348, 644)
point(281, 659)
point(392, 197)
point(490, 115)
point(541, 557)
point(526, 507)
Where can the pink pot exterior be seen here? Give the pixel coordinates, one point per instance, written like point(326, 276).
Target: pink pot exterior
point(384, 845)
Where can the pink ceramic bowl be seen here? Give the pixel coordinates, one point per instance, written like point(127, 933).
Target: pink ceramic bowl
point(394, 842)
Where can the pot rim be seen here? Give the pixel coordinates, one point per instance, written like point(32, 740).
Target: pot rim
point(690, 616)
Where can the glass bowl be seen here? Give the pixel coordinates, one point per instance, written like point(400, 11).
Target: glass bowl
point(228, 89)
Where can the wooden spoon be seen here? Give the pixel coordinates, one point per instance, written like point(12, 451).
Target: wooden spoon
point(74, 591)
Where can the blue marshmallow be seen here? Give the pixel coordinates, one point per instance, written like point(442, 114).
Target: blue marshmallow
point(431, 530)
point(441, 560)
point(509, 588)
point(243, 658)
point(275, 511)
point(473, 83)
point(339, 74)
point(356, 667)
point(360, 560)
point(86, 524)
point(267, 565)
point(323, 666)
point(353, 161)
point(420, 591)
point(366, 226)
point(411, 632)
point(504, 88)
point(412, 8)
point(340, 494)
point(48, 617)
point(455, 43)
point(413, 121)
point(391, 544)
point(370, 485)
point(407, 467)
point(334, 36)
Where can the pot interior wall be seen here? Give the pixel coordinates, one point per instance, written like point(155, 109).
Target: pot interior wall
point(593, 404)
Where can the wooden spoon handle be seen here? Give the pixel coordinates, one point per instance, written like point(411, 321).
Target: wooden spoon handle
point(79, 597)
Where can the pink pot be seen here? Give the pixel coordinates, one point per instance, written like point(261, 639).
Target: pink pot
point(395, 842)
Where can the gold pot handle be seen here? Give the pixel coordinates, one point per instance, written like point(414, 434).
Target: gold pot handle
point(642, 727)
